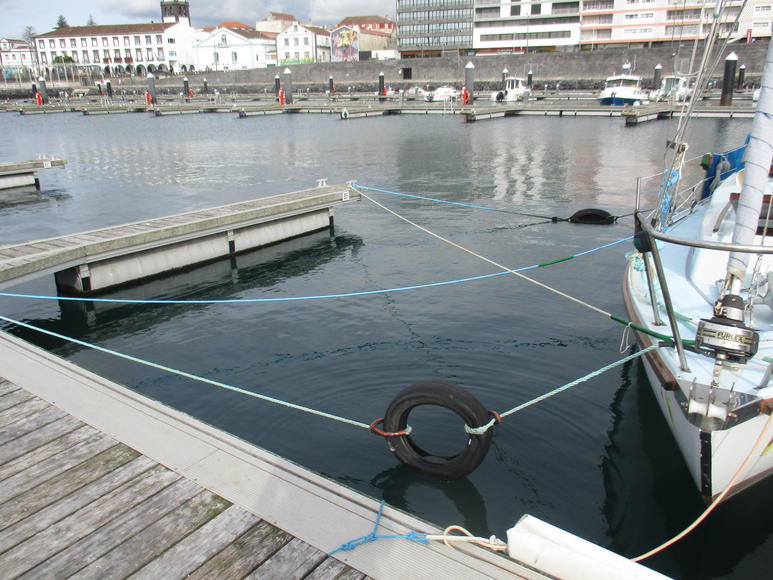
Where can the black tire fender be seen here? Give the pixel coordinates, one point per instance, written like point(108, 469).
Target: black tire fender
point(454, 398)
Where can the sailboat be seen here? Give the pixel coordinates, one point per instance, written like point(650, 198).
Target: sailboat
point(699, 291)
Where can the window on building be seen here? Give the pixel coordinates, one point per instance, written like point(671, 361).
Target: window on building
point(138, 54)
point(536, 9)
point(297, 55)
point(43, 58)
point(137, 41)
point(116, 42)
point(159, 40)
point(295, 41)
point(84, 42)
point(73, 43)
point(106, 54)
point(104, 41)
point(41, 44)
point(117, 53)
point(148, 40)
point(150, 53)
point(234, 57)
point(170, 40)
point(62, 43)
point(51, 43)
point(305, 41)
point(126, 41)
point(287, 42)
point(160, 54)
point(306, 54)
point(95, 54)
point(287, 56)
point(127, 52)
point(94, 42)
point(515, 10)
point(85, 55)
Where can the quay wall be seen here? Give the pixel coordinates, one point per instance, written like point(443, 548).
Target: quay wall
point(580, 70)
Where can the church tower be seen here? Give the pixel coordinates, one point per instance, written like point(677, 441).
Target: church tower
point(175, 11)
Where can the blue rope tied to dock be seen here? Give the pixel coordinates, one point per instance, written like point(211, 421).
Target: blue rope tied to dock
point(374, 535)
point(314, 297)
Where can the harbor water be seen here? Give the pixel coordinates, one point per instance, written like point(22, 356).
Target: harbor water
point(597, 460)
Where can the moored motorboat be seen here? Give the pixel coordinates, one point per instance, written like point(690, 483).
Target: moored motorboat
point(515, 89)
point(699, 288)
point(672, 88)
point(623, 89)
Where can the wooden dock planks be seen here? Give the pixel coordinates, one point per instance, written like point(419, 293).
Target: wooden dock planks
point(74, 501)
point(47, 256)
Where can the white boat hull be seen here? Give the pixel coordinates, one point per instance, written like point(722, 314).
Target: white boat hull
point(713, 457)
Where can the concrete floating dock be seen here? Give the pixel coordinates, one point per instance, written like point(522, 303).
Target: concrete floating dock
point(109, 257)
point(106, 483)
point(370, 106)
point(25, 173)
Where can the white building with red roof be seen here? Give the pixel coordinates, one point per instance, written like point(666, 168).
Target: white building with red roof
point(302, 43)
point(235, 46)
point(118, 49)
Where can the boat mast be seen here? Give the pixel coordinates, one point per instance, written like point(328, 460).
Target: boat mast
point(757, 159)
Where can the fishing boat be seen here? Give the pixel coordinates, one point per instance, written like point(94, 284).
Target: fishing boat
point(699, 292)
point(516, 89)
point(623, 89)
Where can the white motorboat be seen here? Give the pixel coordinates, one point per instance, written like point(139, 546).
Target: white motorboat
point(444, 93)
point(672, 88)
point(623, 89)
point(699, 291)
point(516, 89)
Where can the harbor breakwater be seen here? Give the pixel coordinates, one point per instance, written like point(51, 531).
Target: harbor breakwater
point(579, 70)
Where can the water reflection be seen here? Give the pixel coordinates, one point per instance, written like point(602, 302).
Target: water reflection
point(219, 280)
point(10, 199)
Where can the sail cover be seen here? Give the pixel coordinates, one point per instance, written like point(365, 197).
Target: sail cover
point(757, 159)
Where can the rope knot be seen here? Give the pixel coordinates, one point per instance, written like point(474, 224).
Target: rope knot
point(375, 430)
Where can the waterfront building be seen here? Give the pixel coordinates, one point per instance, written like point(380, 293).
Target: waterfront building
point(637, 23)
point(275, 22)
point(234, 46)
point(434, 27)
point(18, 59)
point(349, 44)
point(120, 49)
point(372, 23)
point(302, 43)
point(506, 26)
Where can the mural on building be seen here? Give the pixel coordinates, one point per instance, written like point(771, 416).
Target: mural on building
point(345, 44)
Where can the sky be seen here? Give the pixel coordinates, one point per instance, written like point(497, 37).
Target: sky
point(42, 15)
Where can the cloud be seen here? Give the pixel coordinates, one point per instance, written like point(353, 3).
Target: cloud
point(333, 11)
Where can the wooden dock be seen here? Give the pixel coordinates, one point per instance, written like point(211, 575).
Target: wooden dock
point(107, 484)
point(76, 501)
point(112, 256)
point(25, 173)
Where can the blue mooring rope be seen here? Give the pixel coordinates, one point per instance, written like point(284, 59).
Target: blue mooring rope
point(313, 297)
point(373, 536)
